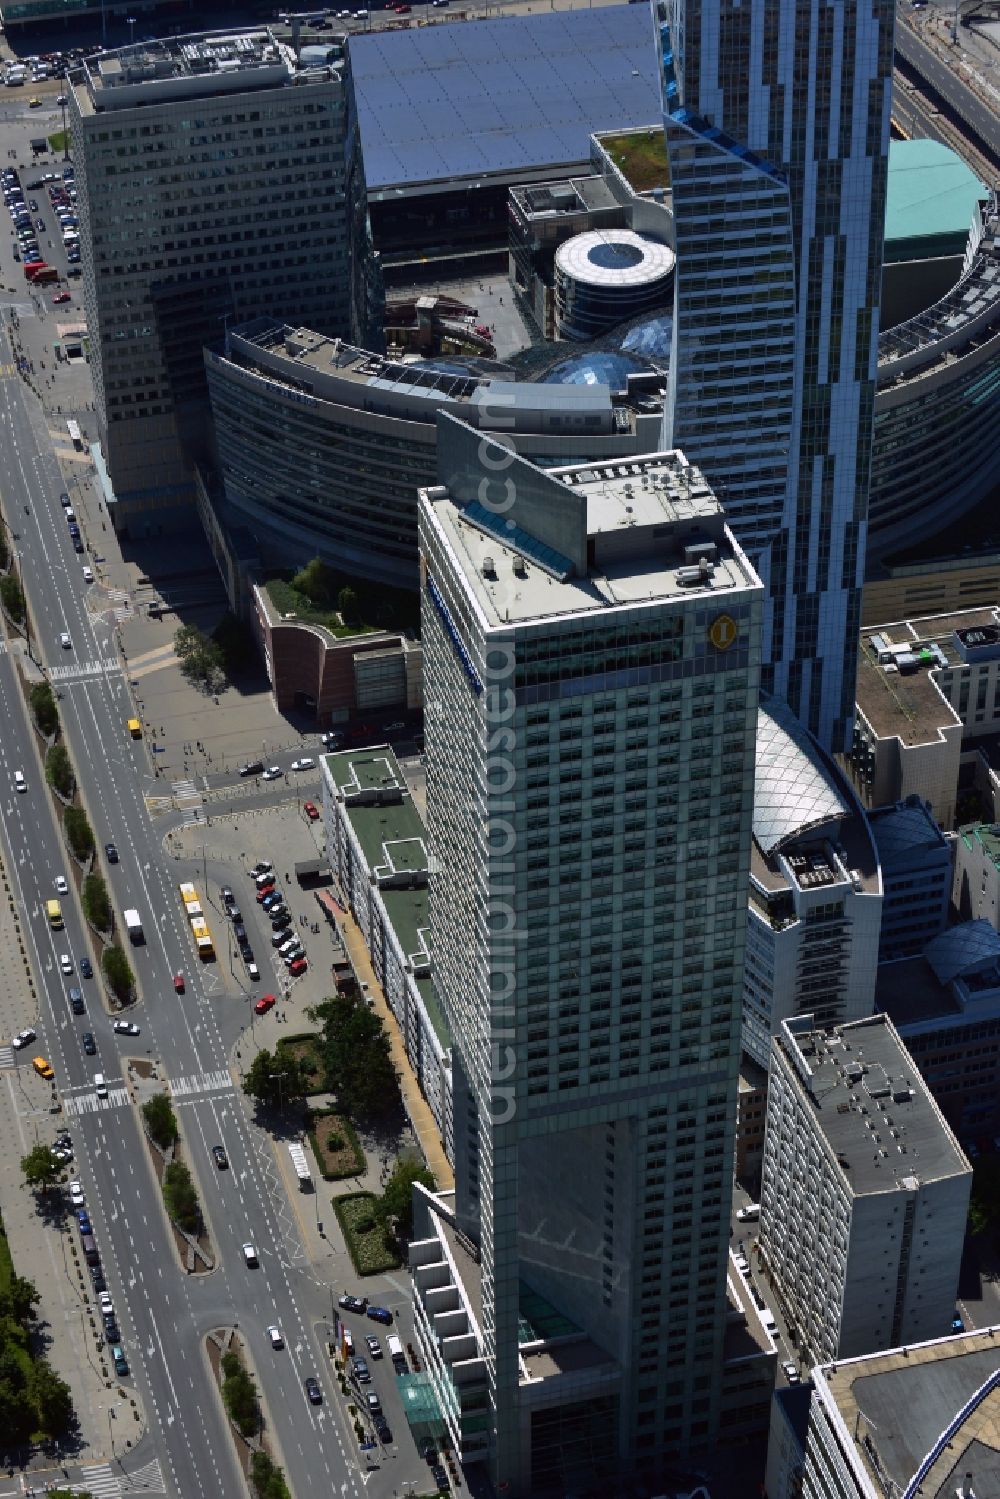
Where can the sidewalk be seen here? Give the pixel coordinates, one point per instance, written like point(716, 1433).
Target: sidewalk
point(38, 1245)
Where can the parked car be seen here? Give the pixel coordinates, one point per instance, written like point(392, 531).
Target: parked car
point(351, 1303)
point(298, 967)
point(380, 1314)
point(120, 1361)
point(23, 1038)
point(266, 1003)
point(305, 763)
point(790, 1371)
point(272, 773)
point(361, 1371)
point(252, 768)
point(76, 1196)
point(374, 1346)
point(310, 811)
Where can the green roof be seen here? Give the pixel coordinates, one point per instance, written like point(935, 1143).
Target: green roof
point(930, 201)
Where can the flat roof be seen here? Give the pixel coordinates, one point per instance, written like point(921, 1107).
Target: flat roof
point(864, 1063)
point(931, 193)
point(513, 94)
point(896, 1404)
point(658, 497)
point(910, 994)
point(908, 704)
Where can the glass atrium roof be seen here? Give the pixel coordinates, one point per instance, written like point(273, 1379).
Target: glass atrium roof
point(795, 788)
point(963, 948)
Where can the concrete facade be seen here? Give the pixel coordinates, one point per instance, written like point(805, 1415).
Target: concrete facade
point(197, 160)
point(815, 904)
point(595, 1061)
point(864, 1193)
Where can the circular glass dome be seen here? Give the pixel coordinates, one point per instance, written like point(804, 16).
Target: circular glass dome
point(612, 255)
point(459, 364)
point(596, 368)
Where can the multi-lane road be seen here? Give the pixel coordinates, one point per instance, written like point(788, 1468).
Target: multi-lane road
point(164, 1313)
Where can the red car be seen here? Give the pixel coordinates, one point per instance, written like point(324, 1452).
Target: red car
point(267, 1003)
point(62, 296)
point(299, 966)
point(310, 811)
point(179, 982)
point(264, 891)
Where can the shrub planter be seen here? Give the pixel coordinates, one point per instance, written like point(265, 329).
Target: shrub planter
point(335, 1145)
point(370, 1251)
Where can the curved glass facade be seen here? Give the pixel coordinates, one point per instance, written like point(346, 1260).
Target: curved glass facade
point(597, 368)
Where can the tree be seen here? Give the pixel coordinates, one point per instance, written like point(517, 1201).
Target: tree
point(118, 973)
point(274, 1080)
point(347, 605)
point(181, 1198)
point(17, 1411)
point(239, 1394)
point(43, 707)
point(23, 1297)
point(40, 1167)
point(59, 770)
point(201, 660)
point(267, 1477)
point(356, 1058)
point(318, 582)
point(161, 1121)
point(4, 549)
point(396, 1201)
point(79, 833)
point(96, 903)
point(12, 598)
point(237, 644)
point(53, 1400)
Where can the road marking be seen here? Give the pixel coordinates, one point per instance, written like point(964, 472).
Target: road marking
point(157, 806)
point(97, 1481)
point(147, 1479)
point(104, 665)
point(89, 1103)
point(6, 1056)
point(201, 1082)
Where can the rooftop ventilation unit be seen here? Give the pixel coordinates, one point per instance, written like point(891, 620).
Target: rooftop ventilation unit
point(520, 568)
point(489, 568)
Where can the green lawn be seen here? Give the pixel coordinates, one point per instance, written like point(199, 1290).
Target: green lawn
point(364, 1234)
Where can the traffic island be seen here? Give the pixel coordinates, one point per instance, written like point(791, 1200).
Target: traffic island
point(180, 1200)
point(229, 1360)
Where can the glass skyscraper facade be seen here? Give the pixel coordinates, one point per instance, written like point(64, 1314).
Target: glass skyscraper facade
point(777, 129)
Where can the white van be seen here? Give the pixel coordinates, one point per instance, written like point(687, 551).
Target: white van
point(20, 784)
point(100, 1086)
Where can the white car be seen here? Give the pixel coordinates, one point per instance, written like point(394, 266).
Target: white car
point(88, 575)
point(61, 886)
point(23, 1038)
point(250, 1255)
point(253, 972)
point(273, 773)
point(20, 784)
point(749, 1214)
point(70, 513)
point(274, 1333)
point(65, 641)
point(105, 1303)
point(126, 1028)
point(791, 1373)
point(65, 962)
point(306, 763)
point(76, 1194)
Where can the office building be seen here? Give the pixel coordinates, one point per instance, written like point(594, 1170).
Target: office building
point(945, 1005)
point(779, 208)
point(210, 174)
point(378, 853)
point(915, 858)
point(976, 891)
point(928, 708)
point(916, 1420)
point(864, 1193)
point(815, 889)
point(590, 679)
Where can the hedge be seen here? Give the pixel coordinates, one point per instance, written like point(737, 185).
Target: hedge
point(365, 1237)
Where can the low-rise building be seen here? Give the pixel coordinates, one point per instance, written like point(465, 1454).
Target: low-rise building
point(928, 692)
point(815, 894)
point(976, 889)
point(904, 1421)
point(864, 1193)
point(378, 852)
point(946, 1006)
point(915, 859)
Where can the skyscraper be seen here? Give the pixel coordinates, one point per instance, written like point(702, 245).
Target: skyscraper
point(777, 130)
point(591, 649)
point(210, 171)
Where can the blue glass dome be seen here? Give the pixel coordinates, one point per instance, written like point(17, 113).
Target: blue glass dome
point(596, 368)
point(652, 337)
point(460, 364)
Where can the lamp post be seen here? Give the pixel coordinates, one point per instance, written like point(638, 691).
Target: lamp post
point(278, 1077)
point(130, 23)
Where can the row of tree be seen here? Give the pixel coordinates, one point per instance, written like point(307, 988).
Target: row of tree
point(34, 1401)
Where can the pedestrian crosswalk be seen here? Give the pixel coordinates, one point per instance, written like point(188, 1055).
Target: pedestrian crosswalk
point(79, 670)
point(188, 800)
point(89, 1103)
point(201, 1082)
point(6, 1057)
point(123, 604)
point(98, 1480)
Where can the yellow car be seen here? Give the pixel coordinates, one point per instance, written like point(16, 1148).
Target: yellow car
point(35, 102)
point(43, 1068)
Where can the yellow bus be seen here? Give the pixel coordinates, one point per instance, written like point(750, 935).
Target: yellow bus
point(202, 938)
point(135, 728)
point(53, 911)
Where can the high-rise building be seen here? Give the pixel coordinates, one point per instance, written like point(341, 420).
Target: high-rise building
point(591, 658)
point(864, 1194)
point(777, 129)
point(210, 176)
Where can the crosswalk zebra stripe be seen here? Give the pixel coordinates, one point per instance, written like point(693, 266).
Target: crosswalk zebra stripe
point(89, 1103)
point(201, 1082)
point(6, 1056)
point(100, 1482)
point(84, 669)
